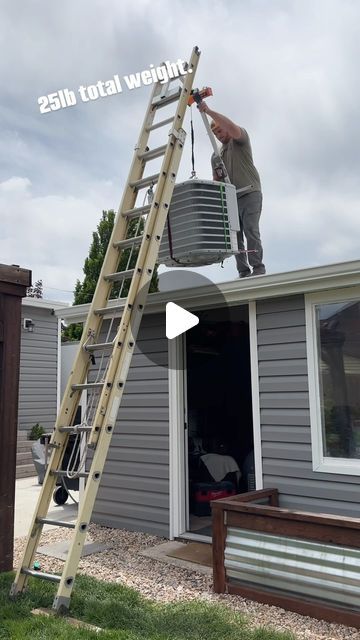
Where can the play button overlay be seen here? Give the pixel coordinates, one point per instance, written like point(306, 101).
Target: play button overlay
point(178, 320)
point(180, 292)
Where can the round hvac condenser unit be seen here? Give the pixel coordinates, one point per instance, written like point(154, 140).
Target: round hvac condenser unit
point(201, 226)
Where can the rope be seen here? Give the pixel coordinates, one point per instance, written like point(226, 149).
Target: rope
point(193, 172)
point(170, 241)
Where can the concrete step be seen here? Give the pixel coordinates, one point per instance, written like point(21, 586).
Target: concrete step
point(23, 458)
point(25, 471)
point(22, 435)
point(24, 445)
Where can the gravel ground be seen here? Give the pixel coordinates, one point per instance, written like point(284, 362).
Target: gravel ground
point(162, 582)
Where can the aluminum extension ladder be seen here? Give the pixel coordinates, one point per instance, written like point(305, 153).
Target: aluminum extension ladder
point(122, 347)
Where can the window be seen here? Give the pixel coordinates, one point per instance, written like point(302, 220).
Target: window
point(333, 349)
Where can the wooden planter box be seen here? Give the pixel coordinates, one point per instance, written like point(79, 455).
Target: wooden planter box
point(300, 561)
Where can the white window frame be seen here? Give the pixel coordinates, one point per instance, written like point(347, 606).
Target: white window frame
point(321, 462)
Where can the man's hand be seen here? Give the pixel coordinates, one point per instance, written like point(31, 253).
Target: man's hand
point(203, 108)
point(224, 127)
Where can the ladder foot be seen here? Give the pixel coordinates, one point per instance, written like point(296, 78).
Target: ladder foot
point(61, 604)
point(14, 592)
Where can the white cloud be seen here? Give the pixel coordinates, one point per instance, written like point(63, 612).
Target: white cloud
point(51, 234)
point(15, 185)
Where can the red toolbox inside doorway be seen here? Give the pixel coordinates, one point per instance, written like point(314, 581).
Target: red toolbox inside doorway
point(203, 492)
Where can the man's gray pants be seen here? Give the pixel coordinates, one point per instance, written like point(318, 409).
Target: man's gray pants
point(249, 207)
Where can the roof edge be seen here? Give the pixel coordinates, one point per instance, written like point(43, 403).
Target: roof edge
point(43, 304)
point(310, 279)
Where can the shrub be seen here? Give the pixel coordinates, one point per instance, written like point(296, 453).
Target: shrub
point(36, 432)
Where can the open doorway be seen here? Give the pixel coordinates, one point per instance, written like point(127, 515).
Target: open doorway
point(220, 445)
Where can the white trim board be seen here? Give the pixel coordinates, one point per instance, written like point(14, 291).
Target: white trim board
point(58, 376)
point(176, 439)
point(43, 304)
point(255, 394)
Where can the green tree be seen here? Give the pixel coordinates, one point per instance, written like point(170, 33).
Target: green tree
point(36, 291)
point(84, 290)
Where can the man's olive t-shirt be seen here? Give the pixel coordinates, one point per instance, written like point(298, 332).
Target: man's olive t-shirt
point(238, 160)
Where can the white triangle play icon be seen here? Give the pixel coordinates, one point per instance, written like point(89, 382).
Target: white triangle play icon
point(178, 320)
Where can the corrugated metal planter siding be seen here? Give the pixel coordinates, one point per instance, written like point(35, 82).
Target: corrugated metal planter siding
point(323, 571)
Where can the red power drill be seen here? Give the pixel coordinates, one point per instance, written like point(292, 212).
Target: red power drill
point(199, 94)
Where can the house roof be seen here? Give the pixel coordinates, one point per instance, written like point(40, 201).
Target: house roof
point(311, 279)
point(42, 304)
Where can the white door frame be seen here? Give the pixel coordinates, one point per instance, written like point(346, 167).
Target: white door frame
point(179, 498)
point(177, 419)
point(255, 395)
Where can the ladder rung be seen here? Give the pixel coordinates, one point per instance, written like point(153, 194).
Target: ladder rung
point(137, 212)
point(75, 429)
point(128, 242)
point(56, 523)
point(63, 474)
point(110, 310)
point(159, 124)
point(40, 574)
point(121, 275)
point(53, 445)
point(161, 101)
point(87, 385)
point(100, 346)
point(145, 182)
point(152, 153)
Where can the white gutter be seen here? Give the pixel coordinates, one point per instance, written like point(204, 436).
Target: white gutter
point(346, 274)
point(43, 304)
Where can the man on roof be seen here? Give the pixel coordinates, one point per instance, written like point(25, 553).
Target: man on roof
point(236, 154)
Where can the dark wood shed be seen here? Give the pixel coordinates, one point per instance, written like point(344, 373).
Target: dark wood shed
point(13, 284)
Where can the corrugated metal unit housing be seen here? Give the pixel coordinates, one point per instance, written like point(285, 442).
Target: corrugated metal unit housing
point(285, 415)
point(38, 369)
point(202, 224)
point(134, 490)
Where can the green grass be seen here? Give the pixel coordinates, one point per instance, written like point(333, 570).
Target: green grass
point(123, 614)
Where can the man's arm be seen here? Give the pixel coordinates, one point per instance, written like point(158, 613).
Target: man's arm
point(232, 129)
point(215, 175)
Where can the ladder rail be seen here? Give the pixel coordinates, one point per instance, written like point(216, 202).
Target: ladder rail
point(124, 343)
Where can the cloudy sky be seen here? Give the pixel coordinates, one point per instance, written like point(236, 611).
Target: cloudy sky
point(286, 70)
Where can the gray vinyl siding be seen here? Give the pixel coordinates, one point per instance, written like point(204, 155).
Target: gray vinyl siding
point(38, 370)
point(134, 489)
point(285, 415)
